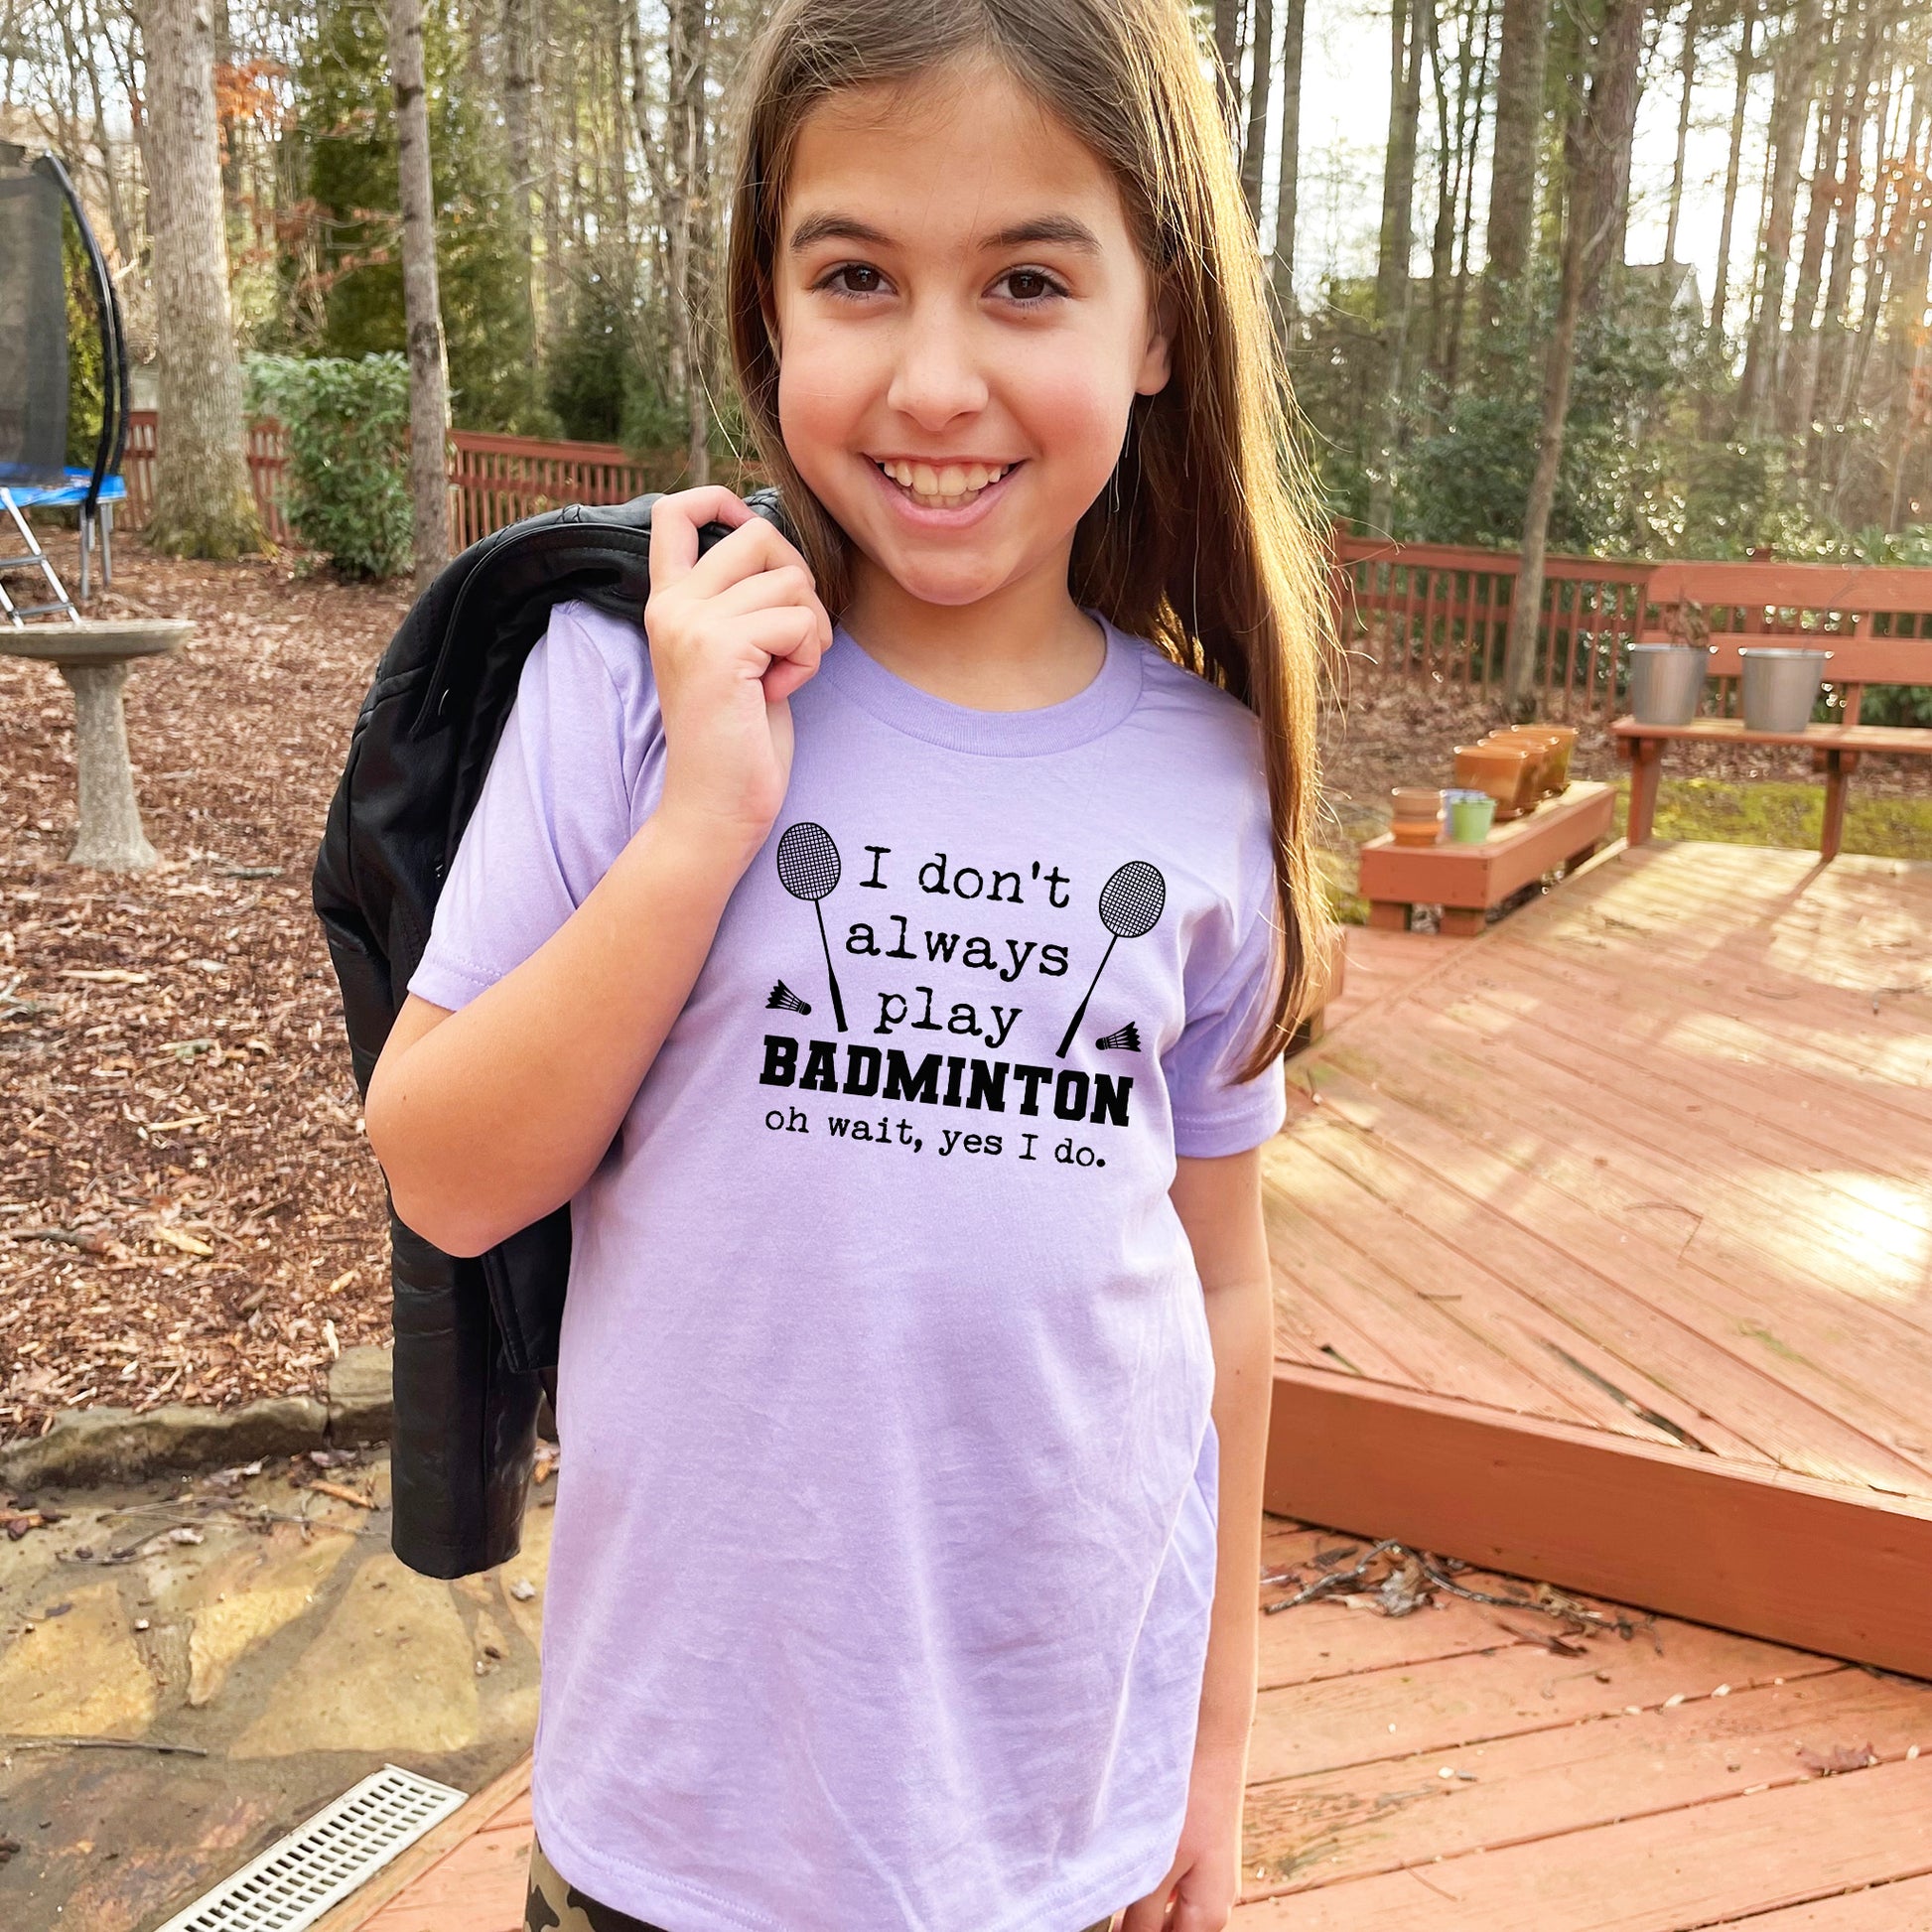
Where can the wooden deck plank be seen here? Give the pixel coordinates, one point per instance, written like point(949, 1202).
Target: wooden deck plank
point(499, 1801)
point(1842, 1426)
point(1508, 999)
point(1750, 1219)
point(1646, 1015)
point(1429, 1346)
point(1693, 1867)
point(1904, 1905)
point(479, 1886)
point(1886, 1043)
point(1842, 1331)
point(1447, 1704)
point(1718, 1139)
point(1883, 1235)
point(1314, 1831)
point(1462, 1295)
point(1685, 1105)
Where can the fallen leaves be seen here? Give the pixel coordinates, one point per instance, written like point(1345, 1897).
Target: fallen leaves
point(181, 1166)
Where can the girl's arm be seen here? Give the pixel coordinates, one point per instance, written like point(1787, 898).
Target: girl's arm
point(487, 1118)
point(1219, 1204)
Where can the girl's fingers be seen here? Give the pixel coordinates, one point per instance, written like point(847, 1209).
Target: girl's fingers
point(787, 635)
point(674, 524)
point(755, 545)
point(789, 585)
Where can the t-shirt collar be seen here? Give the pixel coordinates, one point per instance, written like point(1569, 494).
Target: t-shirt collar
point(1103, 704)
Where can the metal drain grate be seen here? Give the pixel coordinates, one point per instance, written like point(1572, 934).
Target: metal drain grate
point(299, 1878)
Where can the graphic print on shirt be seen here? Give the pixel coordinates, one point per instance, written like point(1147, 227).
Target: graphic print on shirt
point(999, 1078)
point(808, 867)
point(1130, 904)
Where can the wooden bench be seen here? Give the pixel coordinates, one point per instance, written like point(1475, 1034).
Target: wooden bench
point(1465, 880)
point(1825, 606)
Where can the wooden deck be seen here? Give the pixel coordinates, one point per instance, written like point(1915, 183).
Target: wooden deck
point(1675, 1778)
point(1604, 1249)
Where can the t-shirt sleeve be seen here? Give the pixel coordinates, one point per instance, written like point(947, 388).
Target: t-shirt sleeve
point(1214, 1111)
point(556, 807)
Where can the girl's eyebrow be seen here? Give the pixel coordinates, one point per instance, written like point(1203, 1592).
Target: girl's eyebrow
point(1062, 229)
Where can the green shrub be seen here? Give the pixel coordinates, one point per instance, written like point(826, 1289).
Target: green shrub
point(346, 428)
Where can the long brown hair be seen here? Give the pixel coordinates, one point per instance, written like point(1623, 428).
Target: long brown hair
point(1204, 541)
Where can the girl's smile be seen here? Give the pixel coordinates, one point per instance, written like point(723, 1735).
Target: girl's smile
point(942, 492)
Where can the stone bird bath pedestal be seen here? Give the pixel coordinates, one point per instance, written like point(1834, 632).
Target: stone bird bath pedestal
point(93, 656)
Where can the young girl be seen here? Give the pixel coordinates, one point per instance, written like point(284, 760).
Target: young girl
point(888, 954)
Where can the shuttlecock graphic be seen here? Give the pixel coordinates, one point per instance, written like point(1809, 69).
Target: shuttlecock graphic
point(1126, 1040)
point(782, 995)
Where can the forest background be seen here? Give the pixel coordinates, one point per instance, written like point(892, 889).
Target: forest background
point(1726, 204)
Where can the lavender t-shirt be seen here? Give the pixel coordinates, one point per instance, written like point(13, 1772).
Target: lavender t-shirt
point(885, 1537)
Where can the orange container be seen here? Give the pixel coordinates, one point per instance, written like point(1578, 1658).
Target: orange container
point(1554, 743)
point(1506, 772)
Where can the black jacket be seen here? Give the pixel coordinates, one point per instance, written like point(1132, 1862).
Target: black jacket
point(474, 1338)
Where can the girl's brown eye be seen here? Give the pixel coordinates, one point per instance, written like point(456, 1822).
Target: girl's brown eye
point(854, 278)
point(1028, 284)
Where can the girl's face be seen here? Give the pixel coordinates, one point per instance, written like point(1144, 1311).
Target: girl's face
point(963, 321)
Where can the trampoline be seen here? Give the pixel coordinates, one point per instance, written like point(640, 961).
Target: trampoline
point(34, 469)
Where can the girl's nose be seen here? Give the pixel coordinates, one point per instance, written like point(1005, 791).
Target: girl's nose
point(935, 378)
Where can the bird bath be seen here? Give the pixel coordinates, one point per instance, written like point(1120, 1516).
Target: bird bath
point(93, 656)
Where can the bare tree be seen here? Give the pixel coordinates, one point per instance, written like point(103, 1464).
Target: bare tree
point(1520, 64)
point(203, 505)
point(1228, 60)
point(1597, 193)
point(429, 375)
point(1411, 26)
point(1687, 67)
point(1796, 63)
point(1288, 166)
point(1747, 60)
point(1254, 151)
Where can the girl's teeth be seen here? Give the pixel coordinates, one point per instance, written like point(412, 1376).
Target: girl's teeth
point(948, 486)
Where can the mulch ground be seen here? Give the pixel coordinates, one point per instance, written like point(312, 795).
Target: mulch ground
point(188, 1209)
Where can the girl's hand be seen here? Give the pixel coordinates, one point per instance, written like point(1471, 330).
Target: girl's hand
point(733, 634)
point(1199, 1890)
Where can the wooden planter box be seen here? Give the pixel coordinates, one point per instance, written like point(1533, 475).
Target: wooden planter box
point(1466, 879)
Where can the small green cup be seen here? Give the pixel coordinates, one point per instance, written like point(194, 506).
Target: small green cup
point(1470, 815)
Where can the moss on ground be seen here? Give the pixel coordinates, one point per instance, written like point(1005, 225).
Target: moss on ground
point(1770, 812)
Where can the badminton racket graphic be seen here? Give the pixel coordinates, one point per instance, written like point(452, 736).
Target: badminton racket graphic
point(808, 868)
point(1130, 904)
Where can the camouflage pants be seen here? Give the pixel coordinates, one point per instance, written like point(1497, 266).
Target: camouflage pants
point(556, 1905)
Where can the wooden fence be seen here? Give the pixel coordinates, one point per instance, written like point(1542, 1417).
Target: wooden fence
point(1438, 614)
point(493, 479)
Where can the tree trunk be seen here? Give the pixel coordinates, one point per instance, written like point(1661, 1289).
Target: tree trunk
point(516, 146)
point(1288, 167)
point(1740, 103)
point(428, 374)
point(686, 204)
point(1478, 88)
point(1797, 60)
point(1513, 153)
point(1394, 286)
point(1835, 108)
point(1597, 195)
point(1254, 152)
point(1685, 76)
point(203, 505)
point(1448, 157)
point(1228, 60)
point(1821, 367)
